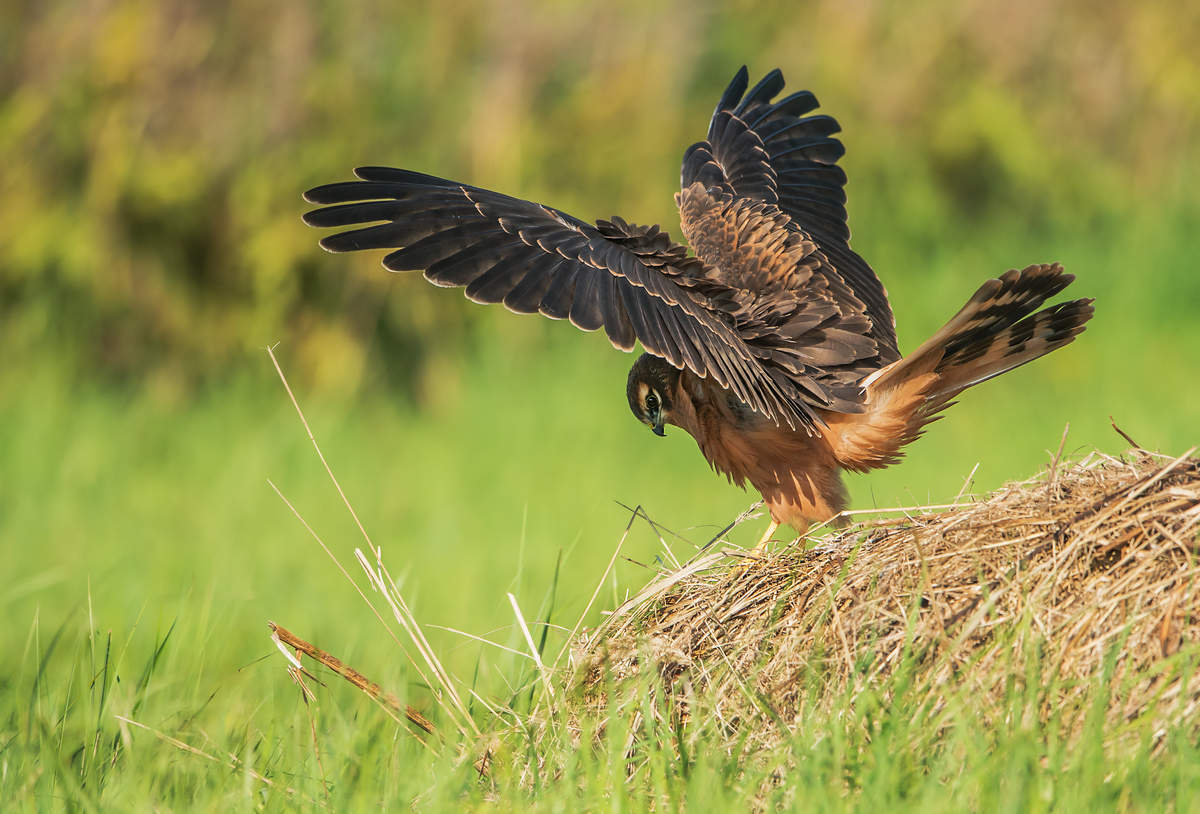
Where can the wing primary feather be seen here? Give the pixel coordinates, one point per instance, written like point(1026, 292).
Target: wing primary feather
point(811, 125)
point(556, 303)
point(462, 267)
point(348, 214)
point(359, 191)
point(526, 296)
point(585, 305)
point(763, 92)
point(494, 284)
point(796, 104)
point(812, 191)
point(616, 319)
point(825, 150)
point(735, 90)
point(393, 175)
point(423, 253)
point(382, 236)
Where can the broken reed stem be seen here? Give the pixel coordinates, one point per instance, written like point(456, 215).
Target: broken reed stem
point(284, 638)
point(382, 580)
point(373, 690)
point(384, 583)
point(346, 574)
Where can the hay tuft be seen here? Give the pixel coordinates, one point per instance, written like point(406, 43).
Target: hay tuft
point(1081, 579)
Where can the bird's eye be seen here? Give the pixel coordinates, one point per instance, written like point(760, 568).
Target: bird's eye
point(651, 403)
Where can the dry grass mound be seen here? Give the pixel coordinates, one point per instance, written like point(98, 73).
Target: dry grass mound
point(1080, 580)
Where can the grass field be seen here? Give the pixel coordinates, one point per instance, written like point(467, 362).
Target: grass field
point(145, 553)
point(152, 248)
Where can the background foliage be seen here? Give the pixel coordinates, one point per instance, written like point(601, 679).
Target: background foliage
point(151, 246)
point(161, 147)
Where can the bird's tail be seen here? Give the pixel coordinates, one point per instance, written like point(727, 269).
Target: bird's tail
point(997, 330)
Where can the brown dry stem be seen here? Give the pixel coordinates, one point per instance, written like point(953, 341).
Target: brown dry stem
point(356, 678)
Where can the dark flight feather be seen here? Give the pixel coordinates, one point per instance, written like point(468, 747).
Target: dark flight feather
point(774, 153)
point(533, 257)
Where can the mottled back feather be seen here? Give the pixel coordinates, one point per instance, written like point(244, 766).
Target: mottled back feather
point(773, 152)
point(790, 303)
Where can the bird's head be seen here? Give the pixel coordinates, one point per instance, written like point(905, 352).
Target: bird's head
point(652, 380)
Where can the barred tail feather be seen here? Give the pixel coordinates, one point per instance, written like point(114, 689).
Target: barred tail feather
point(997, 330)
point(1026, 340)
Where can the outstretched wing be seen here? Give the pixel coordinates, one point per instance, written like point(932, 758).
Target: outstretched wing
point(789, 302)
point(631, 281)
point(775, 153)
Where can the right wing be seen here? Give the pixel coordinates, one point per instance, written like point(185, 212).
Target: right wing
point(632, 281)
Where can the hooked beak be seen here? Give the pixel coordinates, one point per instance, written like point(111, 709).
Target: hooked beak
point(658, 427)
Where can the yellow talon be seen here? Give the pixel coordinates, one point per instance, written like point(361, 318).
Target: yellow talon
point(758, 553)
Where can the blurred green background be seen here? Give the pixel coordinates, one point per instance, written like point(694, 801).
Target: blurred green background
point(151, 248)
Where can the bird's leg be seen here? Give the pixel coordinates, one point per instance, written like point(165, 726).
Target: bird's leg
point(758, 553)
point(759, 550)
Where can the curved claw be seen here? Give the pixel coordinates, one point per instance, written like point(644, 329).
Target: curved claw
point(758, 553)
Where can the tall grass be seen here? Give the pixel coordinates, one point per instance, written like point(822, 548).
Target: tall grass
point(148, 552)
point(145, 266)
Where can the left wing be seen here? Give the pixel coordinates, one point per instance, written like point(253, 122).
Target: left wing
point(789, 299)
point(775, 153)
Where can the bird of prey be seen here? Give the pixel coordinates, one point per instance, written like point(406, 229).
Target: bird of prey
point(772, 342)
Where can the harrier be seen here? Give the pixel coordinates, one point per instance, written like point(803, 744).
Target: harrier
point(772, 343)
